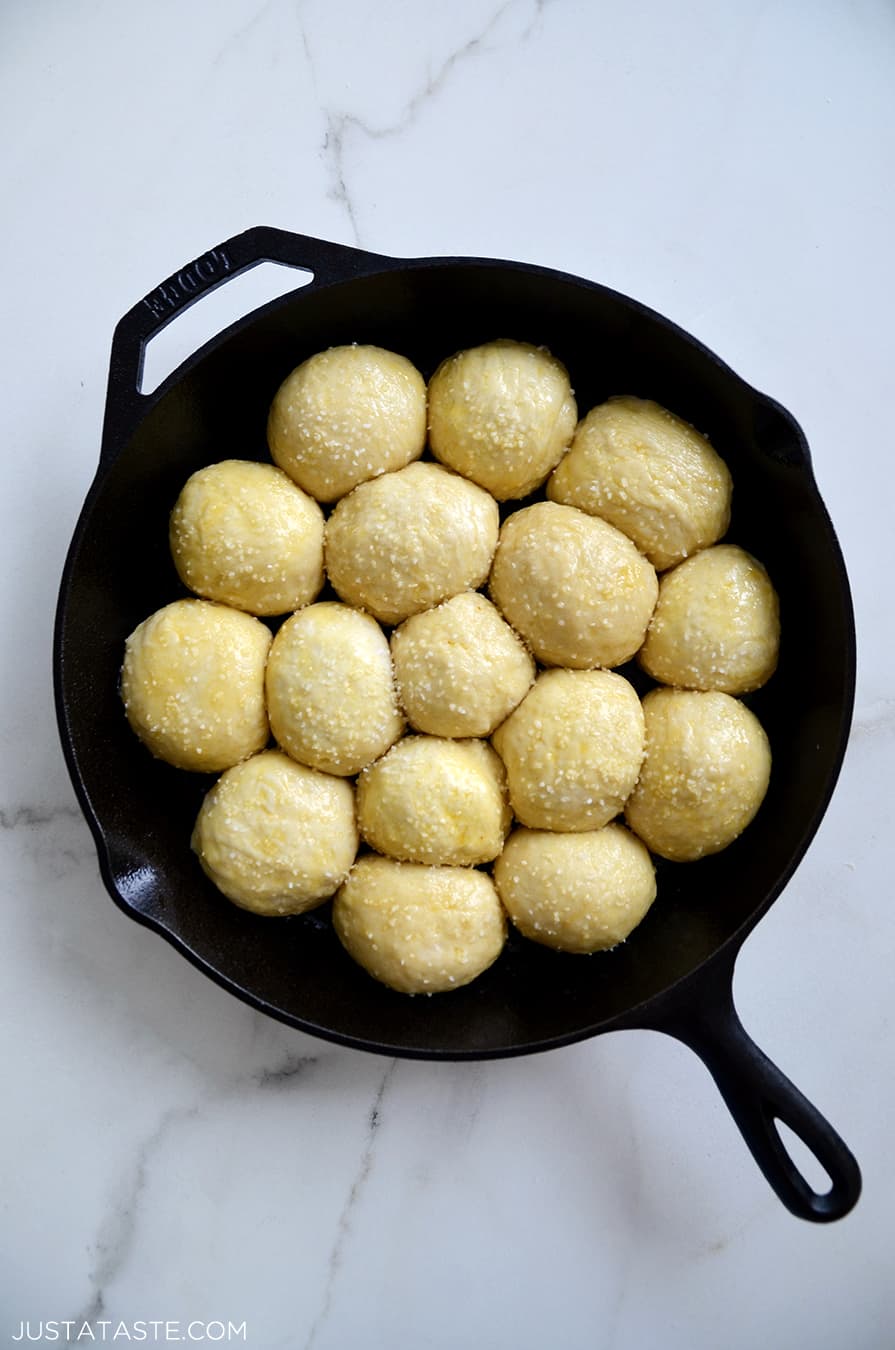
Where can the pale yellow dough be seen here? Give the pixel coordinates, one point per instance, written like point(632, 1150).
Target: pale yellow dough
point(502, 415)
point(193, 684)
point(572, 749)
point(401, 544)
point(276, 837)
point(347, 415)
point(704, 775)
point(649, 473)
point(575, 587)
point(716, 624)
point(330, 690)
point(244, 534)
point(576, 892)
point(435, 801)
point(460, 669)
point(418, 929)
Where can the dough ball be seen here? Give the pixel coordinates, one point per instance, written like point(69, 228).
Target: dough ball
point(704, 776)
point(244, 534)
point(650, 474)
point(716, 624)
point(420, 930)
point(576, 892)
point(460, 669)
point(572, 749)
point(346, 415)
point(193, 684)
point(501, 414)
point(275, 836)
point(575, 587)
point(402, 543)
point(330, 691)
point(435, 801)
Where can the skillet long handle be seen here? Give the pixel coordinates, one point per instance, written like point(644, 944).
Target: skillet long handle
point(758, 1095)
point(327, 262)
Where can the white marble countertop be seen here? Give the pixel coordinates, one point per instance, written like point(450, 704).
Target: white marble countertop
point(168, 1154)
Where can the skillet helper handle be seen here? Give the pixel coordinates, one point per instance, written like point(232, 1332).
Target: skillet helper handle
point(758, 1095)
point(325, 261)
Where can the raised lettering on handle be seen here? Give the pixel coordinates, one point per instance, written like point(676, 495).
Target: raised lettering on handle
point(189, 282)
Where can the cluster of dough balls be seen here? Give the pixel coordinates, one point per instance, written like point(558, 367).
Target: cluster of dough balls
point(483, 752)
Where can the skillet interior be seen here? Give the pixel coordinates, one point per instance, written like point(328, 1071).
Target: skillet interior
point(119, 571)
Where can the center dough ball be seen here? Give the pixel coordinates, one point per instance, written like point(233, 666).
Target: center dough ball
point(193, 684)
point(435, 801)
point(572, 749)
point(347, 415)
point(704, 775)
point(460, 669)
point(330, 691)
point(404, 542)
point(646, 471)
point(501, 414)
point(244, 534)
point(420, 930)
point(276, 837)
point(574, 586)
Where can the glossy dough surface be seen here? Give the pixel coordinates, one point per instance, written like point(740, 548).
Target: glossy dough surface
point(572, 749)
point(276, 837)
point(576, 892)
point(704, 775)
point(245, 535)
point(502, 415)
point(418, 929)
point(330, 690)
point(575, 587)
point(649, 473)
point(435, 801)
point(404, 542)
point(716, 624)
point(460, 669)
point(346, 415)
point(193, 684)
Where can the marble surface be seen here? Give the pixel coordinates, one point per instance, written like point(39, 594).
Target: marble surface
point(169, 1154)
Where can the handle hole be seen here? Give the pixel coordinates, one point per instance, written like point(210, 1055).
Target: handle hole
point(192, 327)
point(807, 1163)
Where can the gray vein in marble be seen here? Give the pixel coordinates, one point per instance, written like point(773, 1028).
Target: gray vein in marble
point(117, 1234)
point(340, 124)
point(344, 1225)
point(35, 815)
point(115, 1240)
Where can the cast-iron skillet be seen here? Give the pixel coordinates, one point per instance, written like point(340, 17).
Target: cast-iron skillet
point(674, 974)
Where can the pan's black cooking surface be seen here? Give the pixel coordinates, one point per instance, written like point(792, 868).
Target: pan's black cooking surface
point(119, 570)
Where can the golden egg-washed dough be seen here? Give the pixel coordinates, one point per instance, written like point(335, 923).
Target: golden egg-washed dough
point(572, 749)
point(704, 775)
point(346, 415)
point(404, 542)
point(650, 474)
point(193, 684)
point(716, 624)
point(576, 892)
point(330, 690)
point(275, 836)
point(460, 669)
point(502, 415)
point(244, 534)
point(574, 586)
point(436, 801)
point(418, 929)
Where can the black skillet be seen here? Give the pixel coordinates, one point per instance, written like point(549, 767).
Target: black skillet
point(675, 973)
